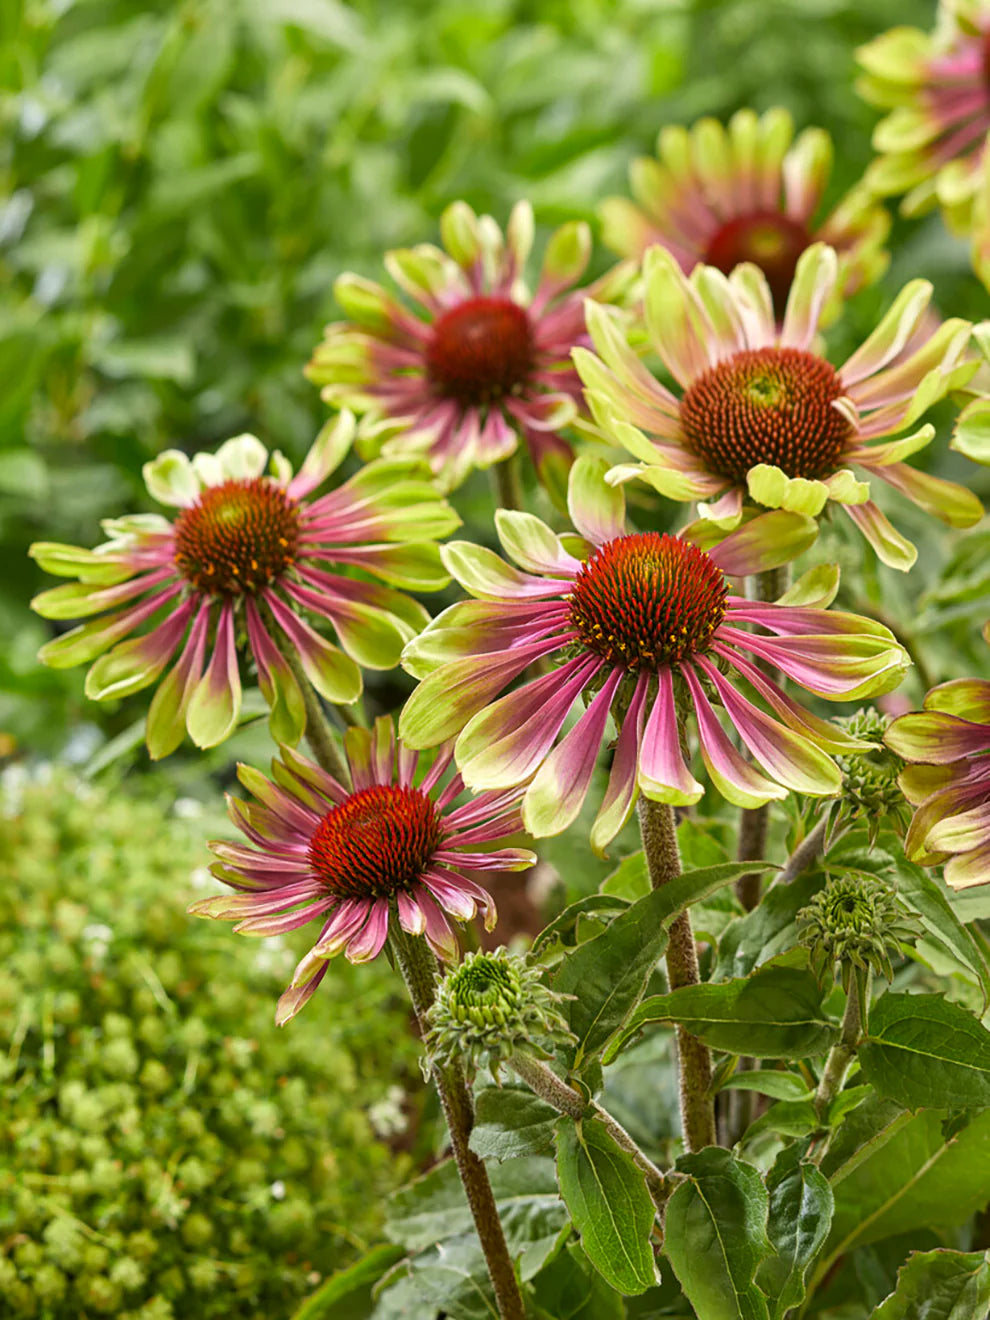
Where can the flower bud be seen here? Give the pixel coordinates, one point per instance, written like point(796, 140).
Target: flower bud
point(857, 921)
point(870, 790)
point(493, 1005)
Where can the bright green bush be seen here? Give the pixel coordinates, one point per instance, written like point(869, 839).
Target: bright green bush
point(164, 1149)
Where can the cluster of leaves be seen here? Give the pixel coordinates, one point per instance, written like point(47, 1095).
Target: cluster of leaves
point(808, 1210)
point(164, 1150)
point(181, 184)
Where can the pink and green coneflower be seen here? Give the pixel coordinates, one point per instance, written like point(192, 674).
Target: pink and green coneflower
point(480, 361)
point(936, 85)
point(245, 563)
point(760, 412)
point(947, 779)
point(348, 857)
point(648, 628)
point(746, 192)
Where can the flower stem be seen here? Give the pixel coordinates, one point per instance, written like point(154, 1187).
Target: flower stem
point(804, 855)
point(840, 1056)
point(419, 971)
point(545, 1083)
point(507, 481)
point(663, 860)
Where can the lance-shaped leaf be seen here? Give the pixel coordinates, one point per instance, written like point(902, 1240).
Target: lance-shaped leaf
point(774, 1014)
point(927, 1053)
point(801, 1206)
point(609, 1205)
point(716, 1235)
point(927, 896)
point(940, 1285)
point(607, 974)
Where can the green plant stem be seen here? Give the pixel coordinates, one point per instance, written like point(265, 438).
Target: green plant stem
point(755, 821)
point(507, 483)
point(804, 855)
point(419, 971)
point(663, 860)
point(545, 1083)
point(841, 1055)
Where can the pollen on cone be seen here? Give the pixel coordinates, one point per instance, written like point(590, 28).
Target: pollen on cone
point(377, 841)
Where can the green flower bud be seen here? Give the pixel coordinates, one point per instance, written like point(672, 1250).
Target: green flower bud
point(870, 790)
point(493, 1005)
point(856, 921)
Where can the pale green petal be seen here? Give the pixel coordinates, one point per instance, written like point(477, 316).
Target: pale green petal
point(769, 486)
point(171, 479)
point(242, 458)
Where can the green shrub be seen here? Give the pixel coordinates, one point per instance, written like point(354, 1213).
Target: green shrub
point(165, 1149)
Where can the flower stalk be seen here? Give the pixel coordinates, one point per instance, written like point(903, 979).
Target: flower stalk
point(419, 971)
point(545, 1083)
point(843, 1052)
point(663, 860)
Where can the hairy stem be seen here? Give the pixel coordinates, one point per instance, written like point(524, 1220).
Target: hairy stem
point(507, 483)
point(841, 1055)
point(804, 855)
point(754, 821)
point(545, 1083)
point(663, 860)
point(419, 971)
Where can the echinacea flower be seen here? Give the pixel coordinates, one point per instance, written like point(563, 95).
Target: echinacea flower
point(761, 412)
point(647, 627)
point(948, 780)
point(246, 557)
point(746, 192)
point(937, 88)
point(480, 361)
point(350, 857)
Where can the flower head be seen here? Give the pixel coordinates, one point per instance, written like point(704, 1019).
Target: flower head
point(245, 561)
point(350, 857)
point(870, 791)
point(491, 1006)
point(481, 361)
point(761, 413)
point(648, 628)
point(746, 192)
point(948, 779)
point(937, 88)
point(857, 921)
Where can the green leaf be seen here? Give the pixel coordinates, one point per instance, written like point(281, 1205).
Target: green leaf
point(566, 923)
point(608, 974)
point(928, 896)
point(774, 1014)
point(434, 1208)
point(778, 1085)
point(897, 1173)
point(768, 930)
point(716, 1235)
point(630, 879)
point(801, 1206)
point(568, 1288)
point(926, 1053)
point(940, 1285)
point(453, 1280)
point(608, 1203)
point(509, 1122)
point(346, 1295)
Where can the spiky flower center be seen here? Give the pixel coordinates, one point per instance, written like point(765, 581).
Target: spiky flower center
point(379, 840)
point(485, 982)
point(767, 405)
point(768, 239)
point(481, 350)
point(237, 537)
point(647, 600)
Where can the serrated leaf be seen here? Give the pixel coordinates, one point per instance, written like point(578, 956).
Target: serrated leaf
point(940, 1285)
point(801, 1206)
point(926, 1053)
point(510, 1122)
point(609, 1205)
point(774, 1014)
point(716, 1235)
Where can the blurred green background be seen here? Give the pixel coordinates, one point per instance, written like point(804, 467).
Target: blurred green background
point(180, 183)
